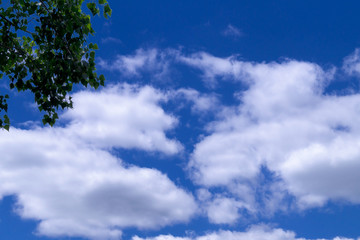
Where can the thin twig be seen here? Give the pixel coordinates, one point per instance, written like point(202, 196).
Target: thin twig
point(11, 23)
point(7, 20)
point(42, 2)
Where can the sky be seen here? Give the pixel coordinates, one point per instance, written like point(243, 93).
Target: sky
point(219, 120)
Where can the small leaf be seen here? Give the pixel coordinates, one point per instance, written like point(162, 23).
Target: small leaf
point(93, 46)
point(45, 119)
point(102, 80)
point(107, 11)
point(92, 7)
point(6, 120)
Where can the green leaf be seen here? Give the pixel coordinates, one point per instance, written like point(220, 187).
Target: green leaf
point(107, 11)
point(92, 54)
point(93, 46)
point(46, 119)
point(92, 7)
point(102, 80)
point(6, 119)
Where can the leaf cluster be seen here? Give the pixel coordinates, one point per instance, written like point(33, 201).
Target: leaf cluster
point(44, 49)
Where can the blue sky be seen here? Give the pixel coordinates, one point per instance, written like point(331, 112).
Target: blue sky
point(219, 120)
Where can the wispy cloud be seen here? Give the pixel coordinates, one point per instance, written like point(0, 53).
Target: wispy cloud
point(214, 68)
point(201, 102)
point(232, 31)
point(142, 61)
point(111, 40)
point(351, 64)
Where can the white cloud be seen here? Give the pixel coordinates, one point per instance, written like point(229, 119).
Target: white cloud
point(284, 122)
point(232, 31)
point(111, 40)
point(335, 163)
point(351, 63)
point(125, 116)
point(158, 62)
point(203, 194)
point(256, 232)
point(223, 210)
point(143, 60)
point(202, 103)
point(307, 139)
point(162, 237)
point(214, 67)
point(73, 186)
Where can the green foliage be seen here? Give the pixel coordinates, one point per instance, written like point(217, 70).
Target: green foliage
point(44, 49)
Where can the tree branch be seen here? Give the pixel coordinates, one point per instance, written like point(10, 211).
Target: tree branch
point(7, 20)
point(43, 3)
point(12, 24)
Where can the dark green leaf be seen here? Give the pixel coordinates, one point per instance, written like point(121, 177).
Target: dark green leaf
point(102, 80)
point(92, 7)
point(107, 11)
point(6, 119)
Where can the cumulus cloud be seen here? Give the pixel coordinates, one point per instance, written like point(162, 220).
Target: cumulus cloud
point(74, 187)
point(125, 116)
point(283, 119)
point(286, 123)
point(283, 123)
point(256, 232)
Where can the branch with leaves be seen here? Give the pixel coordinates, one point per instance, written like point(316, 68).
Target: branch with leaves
point(44, 50)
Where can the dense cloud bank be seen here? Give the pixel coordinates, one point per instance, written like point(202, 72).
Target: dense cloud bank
point(256, 232)
point(68, 180)
point(282, 126)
